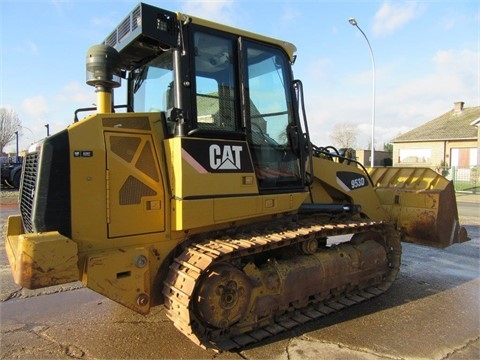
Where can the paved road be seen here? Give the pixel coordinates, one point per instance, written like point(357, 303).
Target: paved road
point(431, 312)
point(470, 209)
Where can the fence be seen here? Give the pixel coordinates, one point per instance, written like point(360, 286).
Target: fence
point(465, 179)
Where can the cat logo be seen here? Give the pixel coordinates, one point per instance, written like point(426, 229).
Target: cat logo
point(226, 157)
point(207, 156)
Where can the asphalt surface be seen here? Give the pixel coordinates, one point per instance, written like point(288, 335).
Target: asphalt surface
point(432, 311)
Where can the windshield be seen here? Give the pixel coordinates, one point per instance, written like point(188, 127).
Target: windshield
point(153, 85)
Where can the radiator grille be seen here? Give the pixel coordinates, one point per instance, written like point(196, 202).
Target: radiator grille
point(136, 17)
point(133, 190)
point(144, 34)
point(123, 29)
point(27, 196)
point(129, 24)
point(124, 146)
point(146, 162)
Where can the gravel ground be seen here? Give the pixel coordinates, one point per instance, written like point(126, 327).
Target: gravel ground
point(8, 196)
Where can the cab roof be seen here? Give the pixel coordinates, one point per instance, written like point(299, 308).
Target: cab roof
point(148, 30)
point(288, 47)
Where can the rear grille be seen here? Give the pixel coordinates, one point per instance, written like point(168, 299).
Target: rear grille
point(45, 188)
point(30, 172)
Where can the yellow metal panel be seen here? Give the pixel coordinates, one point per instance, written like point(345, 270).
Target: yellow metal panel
point(92, 188)
point(281, 202)
point(327, 189)
point(42, 259)
point(121, 275)
point(135, 191)
point(189, 180)
point(87, 179)
point(237, 208)
point(190, 214)
point(15, 225)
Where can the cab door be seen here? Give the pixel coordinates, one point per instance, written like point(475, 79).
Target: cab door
point(270, 118)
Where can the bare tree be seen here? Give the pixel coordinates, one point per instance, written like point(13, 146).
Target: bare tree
point(344, 135)
point(9, 125)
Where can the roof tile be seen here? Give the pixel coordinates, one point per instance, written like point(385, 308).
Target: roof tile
point(453, 125)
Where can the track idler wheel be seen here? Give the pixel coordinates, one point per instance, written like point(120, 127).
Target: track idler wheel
point(223, 296)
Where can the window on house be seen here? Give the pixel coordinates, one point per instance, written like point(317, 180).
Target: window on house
point(415, 156)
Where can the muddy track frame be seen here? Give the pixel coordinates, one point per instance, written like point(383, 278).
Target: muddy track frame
point(188, 268)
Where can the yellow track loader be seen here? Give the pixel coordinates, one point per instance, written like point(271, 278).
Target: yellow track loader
point(204, 193)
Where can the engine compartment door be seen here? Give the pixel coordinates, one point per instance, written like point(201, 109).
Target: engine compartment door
point(135, 191)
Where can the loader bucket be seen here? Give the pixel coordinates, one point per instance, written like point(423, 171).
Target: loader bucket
point(421, 203)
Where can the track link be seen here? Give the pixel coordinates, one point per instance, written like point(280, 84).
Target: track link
point(187, 269)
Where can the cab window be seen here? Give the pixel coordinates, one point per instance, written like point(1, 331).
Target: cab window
point(271, 118)
point(215, 97)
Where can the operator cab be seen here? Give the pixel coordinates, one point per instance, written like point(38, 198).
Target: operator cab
point(215, 83)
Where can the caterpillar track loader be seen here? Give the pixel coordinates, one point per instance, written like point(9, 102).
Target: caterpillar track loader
point(205, 195)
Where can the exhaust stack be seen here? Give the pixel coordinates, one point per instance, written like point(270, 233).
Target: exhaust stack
point(103, 72)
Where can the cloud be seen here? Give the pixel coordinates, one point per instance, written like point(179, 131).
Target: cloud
point(104, 22)
point(401, 105)
point(319, 69)
point(463, 61)
point(392, 16)
point(35, 105)
point(31, 47)
point(61, 5)
point(75, 92)
point(26, 47)
point(454, 77)
point(289, 17)
point(215, 10)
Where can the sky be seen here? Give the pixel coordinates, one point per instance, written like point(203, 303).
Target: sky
point(426, 54)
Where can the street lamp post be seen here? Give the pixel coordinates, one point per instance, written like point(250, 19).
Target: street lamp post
point(372, 155)
point(16, 149)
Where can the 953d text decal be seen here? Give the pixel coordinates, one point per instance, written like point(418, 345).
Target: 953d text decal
point(351, 180)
